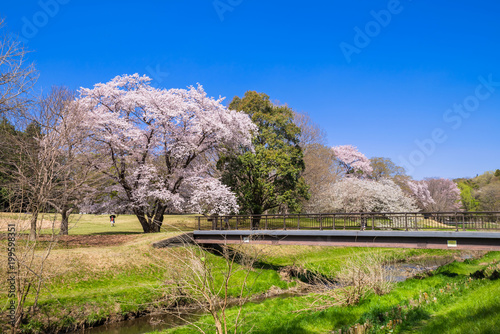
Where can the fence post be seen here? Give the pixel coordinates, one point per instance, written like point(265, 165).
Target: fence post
point(266, 223)
point(284, 222)
point(456, 221)
point(298, 222)
point(406, 222)
point(333, 217)
point(373, 222)
point(320, 222)
point(237, 221)
point(199, 223)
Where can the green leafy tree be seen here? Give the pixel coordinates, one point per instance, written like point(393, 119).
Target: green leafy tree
point(469, 201)
point(497, 173)
point(268, 177)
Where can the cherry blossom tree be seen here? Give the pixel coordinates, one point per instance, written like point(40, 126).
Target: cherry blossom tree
point(153, 144)
point(353, 162)
point(445, 194)
point(436, 194)
point(420, 192)
point(364, 195)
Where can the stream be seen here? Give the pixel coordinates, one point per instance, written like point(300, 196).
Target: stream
point(397, 272)
point(400, 272)
point(144, 324)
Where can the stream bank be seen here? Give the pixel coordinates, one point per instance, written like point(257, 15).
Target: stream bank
point(157, 321)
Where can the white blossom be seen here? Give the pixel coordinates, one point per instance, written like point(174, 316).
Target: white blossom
point(152, 142)
point(363, 195)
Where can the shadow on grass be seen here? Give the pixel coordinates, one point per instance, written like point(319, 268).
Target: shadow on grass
point(446, 273)
point(114, 233)
point(334, 318)
point(482, 320)
point(299, 273)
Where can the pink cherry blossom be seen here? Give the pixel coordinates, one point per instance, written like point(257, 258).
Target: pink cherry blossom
point(155, 143)
point(352, 161)
point(420, 192)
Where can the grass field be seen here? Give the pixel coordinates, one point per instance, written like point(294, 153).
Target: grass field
point(97, 224)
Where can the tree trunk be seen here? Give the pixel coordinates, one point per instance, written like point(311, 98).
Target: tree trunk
point(255, 222)
point(141, 216)
point(158, 219)
point(218, 324)
point(33, 220)
point(150, 225)
point(64, 222)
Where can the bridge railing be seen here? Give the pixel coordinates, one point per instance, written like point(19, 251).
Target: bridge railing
point(399, 221)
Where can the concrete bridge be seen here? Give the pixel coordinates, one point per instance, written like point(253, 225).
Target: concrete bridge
point(443, 230)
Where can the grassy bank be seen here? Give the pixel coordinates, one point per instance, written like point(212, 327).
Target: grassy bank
point(454, 299)
point(89, 285)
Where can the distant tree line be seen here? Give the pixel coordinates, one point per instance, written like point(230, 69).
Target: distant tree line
point(481, 193)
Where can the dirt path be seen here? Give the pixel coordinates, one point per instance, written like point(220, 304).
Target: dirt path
point(98, 240)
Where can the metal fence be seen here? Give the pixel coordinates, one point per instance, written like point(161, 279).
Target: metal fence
point(402, 221)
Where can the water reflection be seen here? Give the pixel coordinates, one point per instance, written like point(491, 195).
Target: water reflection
point(140, 325)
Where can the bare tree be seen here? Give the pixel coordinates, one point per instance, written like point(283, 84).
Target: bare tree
point(489, 197)
point(48, 166)
point(321, 169)
point(386, 168)
point(310, 132)
point(49, 162)
point(17, 76)
point(75, 175)
point(30, 162)
point(205, 281)
point(320, 174)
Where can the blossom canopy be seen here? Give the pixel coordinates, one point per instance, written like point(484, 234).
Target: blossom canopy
point(156, 144)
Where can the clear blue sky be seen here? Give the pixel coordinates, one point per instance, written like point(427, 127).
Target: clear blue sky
point(382, 89)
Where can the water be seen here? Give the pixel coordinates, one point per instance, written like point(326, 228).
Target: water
point(157, 322)
point(399, 272)
point(402, 271)
point(144, 324)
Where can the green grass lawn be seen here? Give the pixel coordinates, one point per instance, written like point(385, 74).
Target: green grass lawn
point(125, 224)
point(99, 224)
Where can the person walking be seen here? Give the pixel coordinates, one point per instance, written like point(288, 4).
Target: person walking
point(112, 220)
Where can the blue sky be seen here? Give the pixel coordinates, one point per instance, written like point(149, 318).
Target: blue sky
point(416, 81)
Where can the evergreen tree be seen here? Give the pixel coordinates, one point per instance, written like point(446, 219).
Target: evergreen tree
point(7, 130)
point(269, 176)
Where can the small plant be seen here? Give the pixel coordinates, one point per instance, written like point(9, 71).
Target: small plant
point(360, 276)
